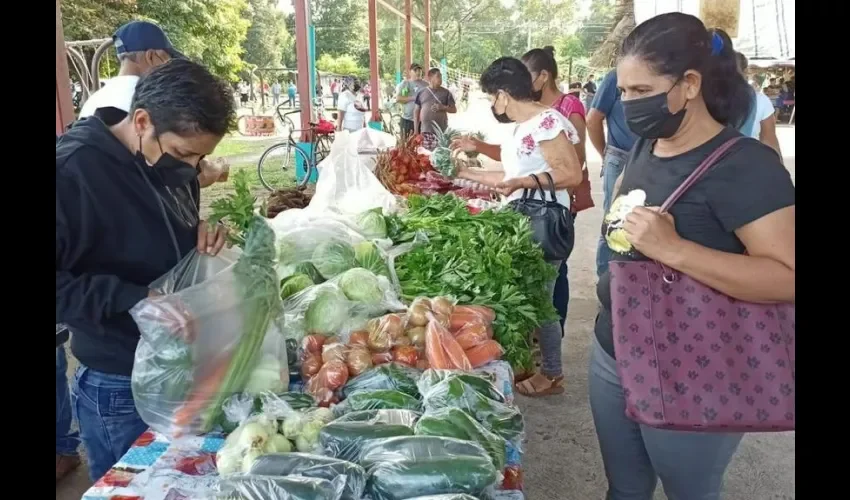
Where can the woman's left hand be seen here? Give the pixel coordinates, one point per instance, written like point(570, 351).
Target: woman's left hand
point(211, 238)
point(652, 233)
point(507, 187)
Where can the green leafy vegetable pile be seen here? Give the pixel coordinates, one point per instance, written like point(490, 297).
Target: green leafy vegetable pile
point(488, 259)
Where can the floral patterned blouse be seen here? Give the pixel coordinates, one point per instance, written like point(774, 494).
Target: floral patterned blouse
point(522, 155)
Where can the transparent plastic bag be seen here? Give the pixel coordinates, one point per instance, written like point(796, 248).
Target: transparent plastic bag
point(456, 423)
point(442, 349)
point(387, 376)
point(251, 487)
point(215, 324)
point(314, 466)
point(471, 393)
point(386, 399)
point(346, 183)
point(344, 440)
point(417, 448)
point(239, 407)
point(379, 417)
point(255, 436)
point(460, 383)
point(405, 479)
point(447, 496)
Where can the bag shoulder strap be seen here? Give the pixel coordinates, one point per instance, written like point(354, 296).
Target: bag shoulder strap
point(700, 171)
point(539, 187)
point(551, 187)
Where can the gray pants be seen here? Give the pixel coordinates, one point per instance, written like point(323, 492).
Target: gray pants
point(550, 336)
point(691, 465)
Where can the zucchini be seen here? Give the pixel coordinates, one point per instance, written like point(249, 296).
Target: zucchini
point(432, 377)
point(343, 440)
point(397, 417)
point(414, 448)
point(382, 400)
point(505, 421)
point(313, 466)
point(281, 488)
point(388, 376)
point(430, 476)
point(456, 423)
point(298, 400)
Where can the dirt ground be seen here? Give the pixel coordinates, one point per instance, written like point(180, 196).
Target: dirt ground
point(562, 459)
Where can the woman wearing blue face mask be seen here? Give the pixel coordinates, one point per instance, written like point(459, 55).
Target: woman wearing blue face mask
point(543, 142)
point(733, 231)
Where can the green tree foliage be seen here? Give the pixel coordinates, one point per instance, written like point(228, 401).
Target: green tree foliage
point(341, 26)
point(267, 37)
point(94, 19)
point(597, 25)
point(342, 65)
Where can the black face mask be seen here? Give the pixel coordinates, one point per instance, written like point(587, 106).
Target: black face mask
point(501, 118)
point(650, 118)
point(172, 172)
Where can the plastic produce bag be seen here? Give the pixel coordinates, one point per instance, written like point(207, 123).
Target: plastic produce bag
point(391, 376)
point(378, 417)
point(466, 382)
point(215, 331)
point(344, 440)
point(386, 399)
point(401, 480)
point(314, 466)
point(251, 487)
point(456, 423)
point(456, 392)
point(443, 350)
point(448, 496)
point(417, 448)
point(346, 183)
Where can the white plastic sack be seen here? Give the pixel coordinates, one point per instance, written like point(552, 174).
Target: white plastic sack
point(346, 183)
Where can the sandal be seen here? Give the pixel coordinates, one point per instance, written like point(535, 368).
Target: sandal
point(531, 389)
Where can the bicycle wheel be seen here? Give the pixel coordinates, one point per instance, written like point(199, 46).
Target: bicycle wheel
point(323, 148)
point(276, 167)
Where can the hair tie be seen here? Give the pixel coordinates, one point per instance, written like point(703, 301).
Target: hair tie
point(716, 44)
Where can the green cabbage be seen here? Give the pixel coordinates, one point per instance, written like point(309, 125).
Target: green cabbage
point(311, 271)
point(368, 257)
point(361, 285)
point(372, 224)
point(327, 312)
point(294, 284)
point(332, 258)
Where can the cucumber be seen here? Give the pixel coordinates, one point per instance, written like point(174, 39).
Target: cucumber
point(382, 400)
point(389, 376)
point(282, 488)
point(343, 440)
point(430, 476)
point(456, 423)
point(432, 377)
point(414, 448)
point(397, 417)
point(313, 466)
point(298, 400)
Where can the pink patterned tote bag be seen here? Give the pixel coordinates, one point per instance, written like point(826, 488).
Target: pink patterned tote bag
point(692, 358)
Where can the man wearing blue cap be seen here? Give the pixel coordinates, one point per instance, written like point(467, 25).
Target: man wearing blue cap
point(141, 46)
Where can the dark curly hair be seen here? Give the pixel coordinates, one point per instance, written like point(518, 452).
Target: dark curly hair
point(184, 98)
point(509, 75)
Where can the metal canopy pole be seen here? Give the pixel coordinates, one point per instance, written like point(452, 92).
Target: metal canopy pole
point(64, 103)
point(427, 9)
point(408, 35)
point(302, 53)
point(373, 61)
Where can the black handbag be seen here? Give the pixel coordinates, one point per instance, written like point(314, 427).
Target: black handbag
point(551, 222)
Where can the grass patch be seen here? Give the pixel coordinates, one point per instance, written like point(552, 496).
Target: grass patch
point(236, 145)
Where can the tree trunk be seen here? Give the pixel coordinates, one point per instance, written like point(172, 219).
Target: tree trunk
point(606, 55)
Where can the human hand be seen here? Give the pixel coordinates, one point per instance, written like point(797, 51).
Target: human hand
point(465, 143)
point(211, 238)
point(508, 186)
point(652, 233)
point(436, 108)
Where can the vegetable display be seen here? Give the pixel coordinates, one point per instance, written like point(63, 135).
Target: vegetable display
point(402, 480)
point(488, 259)
point(344, 440)
point(400, 167)
point(313, 466)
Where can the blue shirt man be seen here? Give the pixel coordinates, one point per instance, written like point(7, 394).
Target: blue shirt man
point(614, 149)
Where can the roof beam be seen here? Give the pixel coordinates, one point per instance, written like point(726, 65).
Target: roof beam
point(413, 21)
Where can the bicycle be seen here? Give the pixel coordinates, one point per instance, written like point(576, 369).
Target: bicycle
point(277, 159)
point(252, 124)
point(391, 122)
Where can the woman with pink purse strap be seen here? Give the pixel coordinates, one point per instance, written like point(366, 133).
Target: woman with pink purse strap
point(695, 334)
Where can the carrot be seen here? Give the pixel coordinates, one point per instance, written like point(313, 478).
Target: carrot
point(482, 354)
point(468, 340)
point(204, 392)
point(485, 312)
point(433, 347)
point(461, 319)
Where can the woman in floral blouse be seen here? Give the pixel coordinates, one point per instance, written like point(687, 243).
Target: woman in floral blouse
point(543, 142)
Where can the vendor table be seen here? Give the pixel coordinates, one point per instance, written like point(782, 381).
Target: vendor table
point(184, 469)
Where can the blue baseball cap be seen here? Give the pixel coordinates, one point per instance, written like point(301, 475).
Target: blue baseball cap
point(139, 36)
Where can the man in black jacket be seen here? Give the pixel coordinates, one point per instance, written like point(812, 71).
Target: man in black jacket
point(127, 210)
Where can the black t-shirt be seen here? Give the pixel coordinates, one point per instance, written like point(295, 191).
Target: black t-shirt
point(590, 87)
point(747, 183)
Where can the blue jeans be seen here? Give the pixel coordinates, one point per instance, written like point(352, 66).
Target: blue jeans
point(612, 167)
point(67, 442)
point(109, 423)
point(691, 465)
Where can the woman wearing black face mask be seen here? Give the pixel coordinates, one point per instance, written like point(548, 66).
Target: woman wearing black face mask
point(543, 142)
point(732, 230)
point(127, 202)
